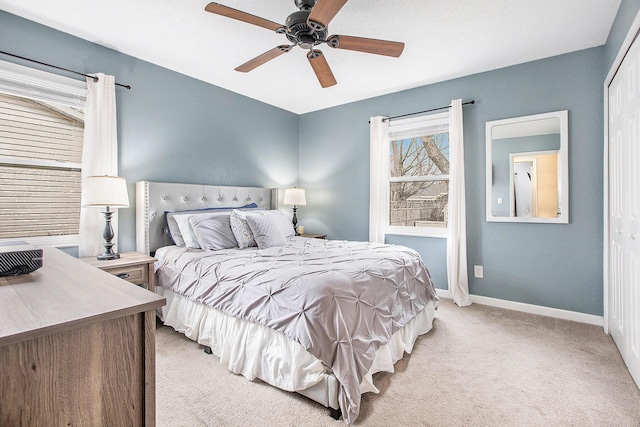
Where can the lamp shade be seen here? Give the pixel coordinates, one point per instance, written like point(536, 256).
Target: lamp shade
point(294, 197)
point(105, 191)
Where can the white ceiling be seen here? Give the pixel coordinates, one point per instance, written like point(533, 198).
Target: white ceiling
point(444, 39)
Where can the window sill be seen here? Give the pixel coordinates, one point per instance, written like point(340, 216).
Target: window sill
point(435, 233)
point(45, 241)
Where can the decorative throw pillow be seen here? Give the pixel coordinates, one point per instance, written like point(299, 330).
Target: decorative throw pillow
point(213, 231)
point(241, 230)
point(283, 221)
point(266, 230)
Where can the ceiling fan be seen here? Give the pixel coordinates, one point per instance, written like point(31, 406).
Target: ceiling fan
point(307, 28)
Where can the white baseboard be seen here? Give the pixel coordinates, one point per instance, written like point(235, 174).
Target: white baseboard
point(533, 309)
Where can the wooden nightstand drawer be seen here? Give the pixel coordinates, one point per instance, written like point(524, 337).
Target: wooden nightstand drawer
point(133, 267)
point(136, 274)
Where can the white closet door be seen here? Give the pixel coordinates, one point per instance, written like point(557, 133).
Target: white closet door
point(624, 210)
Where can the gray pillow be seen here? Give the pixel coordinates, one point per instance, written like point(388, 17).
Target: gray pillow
point(265, 229)
point(174, 230)
point(213, 231)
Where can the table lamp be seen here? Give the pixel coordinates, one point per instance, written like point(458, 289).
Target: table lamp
point(111, 192)
point(294, 197)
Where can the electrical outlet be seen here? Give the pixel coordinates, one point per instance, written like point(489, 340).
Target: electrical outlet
point(478, 271)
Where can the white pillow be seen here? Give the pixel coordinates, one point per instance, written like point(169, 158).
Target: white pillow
point(266, 229)
point(186, 230)
point(283, 221)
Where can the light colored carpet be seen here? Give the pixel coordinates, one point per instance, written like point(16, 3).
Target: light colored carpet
point(479, 366)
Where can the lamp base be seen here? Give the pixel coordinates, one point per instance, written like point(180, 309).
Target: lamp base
point(295, 220)
point(108, 256)
point(107, 234)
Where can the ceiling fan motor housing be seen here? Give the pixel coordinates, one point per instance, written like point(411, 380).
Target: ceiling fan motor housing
point(300, 33)
point(305, 4)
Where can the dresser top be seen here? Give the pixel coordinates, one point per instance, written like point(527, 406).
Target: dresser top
point(65, 293)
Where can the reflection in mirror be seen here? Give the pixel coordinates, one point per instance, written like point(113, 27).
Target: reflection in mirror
point(527, 172)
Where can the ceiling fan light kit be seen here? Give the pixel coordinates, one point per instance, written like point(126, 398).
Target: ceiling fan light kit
point(307, 28)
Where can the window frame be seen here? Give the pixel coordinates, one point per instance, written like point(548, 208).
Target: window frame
point(30, 83)
point(410, 127)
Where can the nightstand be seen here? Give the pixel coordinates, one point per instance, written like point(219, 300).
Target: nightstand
point(133, 267)
point(314, 236)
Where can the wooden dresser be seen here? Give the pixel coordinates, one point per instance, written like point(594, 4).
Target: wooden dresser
point(77, 347)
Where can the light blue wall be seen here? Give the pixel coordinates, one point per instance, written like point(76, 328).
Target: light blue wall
point(174, 128)
point(624, 18)
point(550, 265)
point(171, 127)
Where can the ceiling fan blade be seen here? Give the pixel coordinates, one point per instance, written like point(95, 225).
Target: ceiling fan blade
point(219, 9)
point(261, 59)
point(361, 44)
point(321, 68)
point(323, 12)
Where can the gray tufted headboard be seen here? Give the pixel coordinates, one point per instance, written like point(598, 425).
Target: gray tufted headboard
point(153, 199)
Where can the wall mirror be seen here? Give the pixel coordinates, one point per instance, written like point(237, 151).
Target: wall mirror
point(527, 169)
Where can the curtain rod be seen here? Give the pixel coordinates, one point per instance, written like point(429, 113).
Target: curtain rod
point(95, 79)
point(425, 111)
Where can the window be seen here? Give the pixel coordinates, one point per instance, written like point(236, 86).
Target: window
point(40, 158)
point(414, 186)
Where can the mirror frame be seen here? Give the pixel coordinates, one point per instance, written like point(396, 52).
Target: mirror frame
point(563, 218)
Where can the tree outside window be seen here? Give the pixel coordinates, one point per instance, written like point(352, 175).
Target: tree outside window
point(419, 181)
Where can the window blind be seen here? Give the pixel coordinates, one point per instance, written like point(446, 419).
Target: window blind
point(40, 131)
point(419, 126)
point(38, 202)
point(40, 168)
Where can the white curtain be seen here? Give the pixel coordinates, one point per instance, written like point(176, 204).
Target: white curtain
point(457, 239)
point(99, 157)
point(379, 131)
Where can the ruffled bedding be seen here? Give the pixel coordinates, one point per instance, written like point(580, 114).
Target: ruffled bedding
point(339, 301)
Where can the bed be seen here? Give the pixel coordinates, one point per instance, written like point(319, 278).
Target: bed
point(312, 316)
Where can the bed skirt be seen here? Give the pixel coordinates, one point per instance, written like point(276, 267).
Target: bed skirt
point(257, 351)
